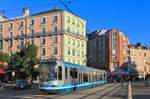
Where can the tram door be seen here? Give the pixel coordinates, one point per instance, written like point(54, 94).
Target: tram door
point(74, 76)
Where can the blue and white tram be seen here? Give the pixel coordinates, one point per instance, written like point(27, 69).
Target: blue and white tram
point(57, 76)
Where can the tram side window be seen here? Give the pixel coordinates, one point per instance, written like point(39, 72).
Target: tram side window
point(59, 73)
point(101, 77)
point(73, 73)
point(85, 77)
point(66, 72)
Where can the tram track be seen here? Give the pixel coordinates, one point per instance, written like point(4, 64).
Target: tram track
point(101, 90)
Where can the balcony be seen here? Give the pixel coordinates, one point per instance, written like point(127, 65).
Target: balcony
point(9, 37)
point(21, 36)
point(31, 35)
point(43, 34)
point(21, 27)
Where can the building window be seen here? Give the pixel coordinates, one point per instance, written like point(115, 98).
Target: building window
point(22, 24)
point(82, 45)
point(10, 44)
point(78, 43)
point(68, 29)
point(1, 27)
point(43, 52)
point(11, 25)
point(32, 31)
point(68, 50)
point(82, 54)
point(55, 29)
point(55, 38)
point(78, 24)
point(68, 19)
point(73, 52)
point(43, 20)
point(11, 34)
point(78, 52)
point(32, 22)
point(55, 18)
point(1, 36)
point(73, 21)
point(78, 61)
point(68, 59)
point(32, 41)
point(144, 54)
point(55, 50)
point(77, 32)
point(1, 45)
point(74, 61)
point(43, 30)
point(114, 34)
point(43, 40)
point(21, 42)
point(73, 41)
point(21, 32)
point(68, 40)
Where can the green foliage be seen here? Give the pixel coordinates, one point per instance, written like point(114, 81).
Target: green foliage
point(26, 59)
point(4, 57)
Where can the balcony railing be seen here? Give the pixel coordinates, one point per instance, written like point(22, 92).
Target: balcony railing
point(21, 36)
point(40, 34)
point(10, 37)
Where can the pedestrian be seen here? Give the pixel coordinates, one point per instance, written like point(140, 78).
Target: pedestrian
point(122, 81)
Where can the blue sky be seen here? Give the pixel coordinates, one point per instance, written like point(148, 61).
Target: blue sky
point(130, 16)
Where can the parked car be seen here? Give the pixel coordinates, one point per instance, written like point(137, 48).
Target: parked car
point(22, 84)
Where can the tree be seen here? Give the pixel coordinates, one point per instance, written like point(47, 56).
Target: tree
point(3, 58)
point(25, 60)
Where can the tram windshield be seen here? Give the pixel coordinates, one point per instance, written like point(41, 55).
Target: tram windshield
point(48, 72)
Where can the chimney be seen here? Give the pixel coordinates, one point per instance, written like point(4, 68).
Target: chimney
point(25, 12)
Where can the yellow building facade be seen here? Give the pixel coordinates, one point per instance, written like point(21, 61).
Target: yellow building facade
point(74, 39)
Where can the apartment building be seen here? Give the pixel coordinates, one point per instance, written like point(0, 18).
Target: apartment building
point(107, 49)
point(57, 33)
point(140, 58)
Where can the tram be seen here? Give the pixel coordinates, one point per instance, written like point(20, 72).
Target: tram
point(57, 76)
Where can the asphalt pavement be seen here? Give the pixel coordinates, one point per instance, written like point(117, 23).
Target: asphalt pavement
point(141, 90)
point(107, 91)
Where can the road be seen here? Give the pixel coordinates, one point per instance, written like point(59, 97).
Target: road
point(107, 91)
point(140, 90)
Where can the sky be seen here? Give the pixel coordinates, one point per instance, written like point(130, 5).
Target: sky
point(130, 16)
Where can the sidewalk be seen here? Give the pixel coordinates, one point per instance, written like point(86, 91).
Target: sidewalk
point(140, 90)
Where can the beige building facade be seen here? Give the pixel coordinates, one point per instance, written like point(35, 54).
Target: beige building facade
point(56, 33)
point(140, 57)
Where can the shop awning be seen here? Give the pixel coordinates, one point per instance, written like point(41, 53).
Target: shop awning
point(2, 71)
point(119, 72)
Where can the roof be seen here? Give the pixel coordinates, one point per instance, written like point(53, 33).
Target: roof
point(48, 11)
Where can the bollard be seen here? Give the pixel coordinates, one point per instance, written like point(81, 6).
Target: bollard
point(129, 91)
